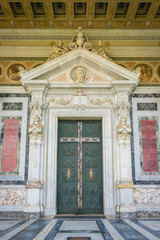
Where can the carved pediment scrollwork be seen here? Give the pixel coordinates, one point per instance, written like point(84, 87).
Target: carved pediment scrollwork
point(80, 41)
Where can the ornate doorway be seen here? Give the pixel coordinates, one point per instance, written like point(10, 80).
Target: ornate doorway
point(79, 180)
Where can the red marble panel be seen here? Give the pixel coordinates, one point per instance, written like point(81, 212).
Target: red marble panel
point(149, 145)
point(148, 128)
point(10, 145)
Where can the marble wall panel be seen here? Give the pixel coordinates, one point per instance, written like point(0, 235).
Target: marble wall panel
point(12, 196)
point(145, 107)
point(14, 109)
point(147, 196)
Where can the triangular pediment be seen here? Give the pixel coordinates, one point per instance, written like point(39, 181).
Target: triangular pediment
point(61, 70)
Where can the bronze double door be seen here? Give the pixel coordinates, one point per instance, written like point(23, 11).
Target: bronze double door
point(79, 177)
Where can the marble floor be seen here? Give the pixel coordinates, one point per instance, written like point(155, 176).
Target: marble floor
point(91, 228)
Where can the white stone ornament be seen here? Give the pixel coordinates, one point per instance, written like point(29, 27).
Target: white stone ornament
point(36, 129)
point(123, 128)
point(79, 41)
point(60, 100)
point(78, 74)
point(36, 108)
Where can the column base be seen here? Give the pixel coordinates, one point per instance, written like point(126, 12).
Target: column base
point(50, 212)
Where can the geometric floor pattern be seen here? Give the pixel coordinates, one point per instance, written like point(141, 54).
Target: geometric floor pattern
point(80, 228)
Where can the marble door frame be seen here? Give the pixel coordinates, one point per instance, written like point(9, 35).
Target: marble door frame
point(50, 186)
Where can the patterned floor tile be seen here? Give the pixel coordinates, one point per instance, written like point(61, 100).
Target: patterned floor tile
point(95, 229)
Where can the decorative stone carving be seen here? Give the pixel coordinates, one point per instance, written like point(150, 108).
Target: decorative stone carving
point(122, 108)
point(57, 51)
point(36, 129)
point(36, 108)
point(80, 41)
point(78, 74)
point(60, 100)
point(99, 101)
point(102, 51)
point(123, 128)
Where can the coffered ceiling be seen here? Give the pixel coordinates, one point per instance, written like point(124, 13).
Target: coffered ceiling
point(73, 13)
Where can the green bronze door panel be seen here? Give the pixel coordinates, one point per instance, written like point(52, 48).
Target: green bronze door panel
point(67, 168)
point(92, 167)
point(92, 178)
point(79, 180)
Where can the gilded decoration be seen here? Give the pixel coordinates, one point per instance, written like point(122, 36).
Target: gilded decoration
point(14, 72)
point(57, 51)
point(158, 71)
point(145, 72)
point(1, 72)
point(80, 41)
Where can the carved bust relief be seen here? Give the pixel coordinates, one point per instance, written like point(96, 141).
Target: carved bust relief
point(80, 74)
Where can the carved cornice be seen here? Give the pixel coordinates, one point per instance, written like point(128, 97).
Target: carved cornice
point(90, 38)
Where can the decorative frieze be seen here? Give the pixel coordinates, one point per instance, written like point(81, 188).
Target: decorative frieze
point(60, 100)
point(99, 100)
point(13, 196)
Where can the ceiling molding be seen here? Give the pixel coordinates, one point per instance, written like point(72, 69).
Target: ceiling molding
point(69, 38)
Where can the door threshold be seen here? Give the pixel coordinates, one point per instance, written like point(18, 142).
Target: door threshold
point(78, 216)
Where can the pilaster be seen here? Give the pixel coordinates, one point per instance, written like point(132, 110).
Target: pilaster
point(35, 131)
point(123, 132)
